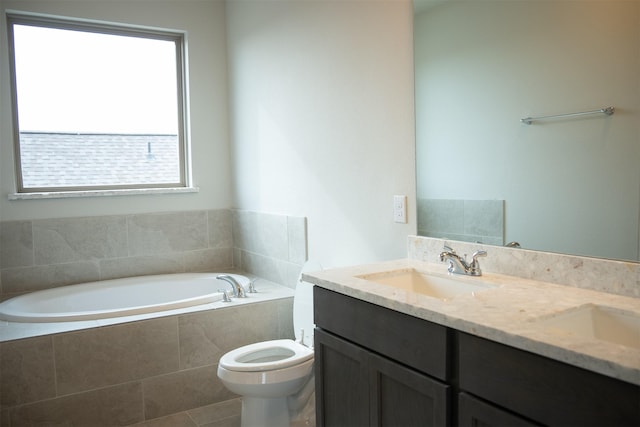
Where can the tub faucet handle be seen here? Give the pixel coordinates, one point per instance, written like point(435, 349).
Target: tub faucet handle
point(252, 287)
point(225, 295)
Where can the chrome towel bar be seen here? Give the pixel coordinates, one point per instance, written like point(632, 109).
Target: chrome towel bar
point(608, 111)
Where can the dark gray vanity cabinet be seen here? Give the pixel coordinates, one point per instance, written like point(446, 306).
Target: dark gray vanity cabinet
point(378, 367)
point(474, 412)
point(357, 386)
point(542, 389)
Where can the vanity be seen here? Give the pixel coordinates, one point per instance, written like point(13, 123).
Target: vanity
point(402, 343)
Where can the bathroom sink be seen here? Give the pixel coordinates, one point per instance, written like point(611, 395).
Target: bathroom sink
point(436, 286)
point(597, 322)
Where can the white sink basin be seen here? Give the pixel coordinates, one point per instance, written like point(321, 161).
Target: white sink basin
point(436, 286)
point(598, 322)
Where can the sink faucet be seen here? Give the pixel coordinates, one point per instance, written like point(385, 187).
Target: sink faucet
point(238, 289)
point(459, 265)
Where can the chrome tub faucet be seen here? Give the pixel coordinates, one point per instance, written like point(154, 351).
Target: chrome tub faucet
point(238, 290)
point(459, 265)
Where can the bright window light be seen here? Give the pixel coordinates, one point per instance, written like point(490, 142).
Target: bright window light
point(96, 106)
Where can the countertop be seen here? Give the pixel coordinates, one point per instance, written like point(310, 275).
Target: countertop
point(509, 312)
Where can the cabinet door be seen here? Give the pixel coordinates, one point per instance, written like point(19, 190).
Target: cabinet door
point(342, 393)
point(474, 412)
point(402, 397)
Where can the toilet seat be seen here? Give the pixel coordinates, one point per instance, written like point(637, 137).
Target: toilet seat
point(266, 356)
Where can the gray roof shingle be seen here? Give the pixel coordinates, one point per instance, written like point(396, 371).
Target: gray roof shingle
point(80, 160)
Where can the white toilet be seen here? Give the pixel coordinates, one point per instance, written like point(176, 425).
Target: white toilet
point(275, 378)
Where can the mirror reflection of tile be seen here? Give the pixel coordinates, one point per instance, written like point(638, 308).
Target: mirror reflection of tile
point(465, 220)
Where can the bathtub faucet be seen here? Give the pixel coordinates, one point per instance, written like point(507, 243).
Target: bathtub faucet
point(238, 289)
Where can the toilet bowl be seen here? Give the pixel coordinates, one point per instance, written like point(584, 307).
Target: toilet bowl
point(275, 378)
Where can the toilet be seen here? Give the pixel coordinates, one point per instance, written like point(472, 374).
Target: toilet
point(275, 378)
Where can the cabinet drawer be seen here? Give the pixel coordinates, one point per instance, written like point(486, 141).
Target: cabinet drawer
point(474, 412)
point(417, 343)
point(543, 389)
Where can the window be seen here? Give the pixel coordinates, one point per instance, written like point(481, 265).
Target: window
point(96, 106)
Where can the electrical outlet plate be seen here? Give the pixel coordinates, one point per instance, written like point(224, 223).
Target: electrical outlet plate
point(400, 209)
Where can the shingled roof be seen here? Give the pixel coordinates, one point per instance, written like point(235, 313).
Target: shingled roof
point(78, 159)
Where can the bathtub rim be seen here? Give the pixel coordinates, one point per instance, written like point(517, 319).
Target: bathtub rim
point(267, 291)
point(13, 304)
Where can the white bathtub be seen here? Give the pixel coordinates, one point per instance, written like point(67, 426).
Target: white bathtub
point(118, 297)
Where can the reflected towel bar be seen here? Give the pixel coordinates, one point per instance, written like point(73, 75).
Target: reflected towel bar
point(608, 111)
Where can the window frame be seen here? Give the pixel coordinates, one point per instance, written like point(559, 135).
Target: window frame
point(99, 27)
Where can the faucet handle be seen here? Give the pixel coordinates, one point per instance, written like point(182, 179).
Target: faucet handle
point(252, 287)
point(447, 248)
point(474, 267)
point(478, 254)
point(225, 295)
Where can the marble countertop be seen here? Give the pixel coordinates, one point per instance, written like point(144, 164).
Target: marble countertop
point(509, 312)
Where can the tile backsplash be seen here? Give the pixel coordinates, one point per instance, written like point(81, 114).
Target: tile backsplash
point(465, 220)
point(41, 254)
point(617, 277)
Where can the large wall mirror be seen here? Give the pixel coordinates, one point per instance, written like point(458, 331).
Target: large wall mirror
point(567, 184)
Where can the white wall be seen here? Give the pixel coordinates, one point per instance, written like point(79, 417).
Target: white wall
point(204, 22)
point(322, 106)
point(570, 186)
point(323, 121)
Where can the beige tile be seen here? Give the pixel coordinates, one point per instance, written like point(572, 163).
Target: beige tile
point(219, 259)
point(220, 228)
point(79, 239)
point(181, 419)
point(180, 391)
point(151, 234)
point(261, 266)
point(216, 412)
point(26, 371)
point(261, 233)
point(206, 336)
point(297, 236)
point(484, 218)
point(116, 354)
point(285, 318)
point(112, 406)
point(226, 422)
point(29, 279)
point(141, 266)
point(16, 244)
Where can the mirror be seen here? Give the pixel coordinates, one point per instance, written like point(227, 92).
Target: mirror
point(568, 184)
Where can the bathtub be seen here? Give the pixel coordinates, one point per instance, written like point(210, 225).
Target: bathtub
point(115, 298)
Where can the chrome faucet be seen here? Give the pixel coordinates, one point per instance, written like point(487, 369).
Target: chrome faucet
point(238, 290)
point(459, 265)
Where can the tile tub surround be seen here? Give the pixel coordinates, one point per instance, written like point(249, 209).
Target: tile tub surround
point(505, 313)
point(132, 372)
point(47, 253)
point(41, 254)
point(269, 245)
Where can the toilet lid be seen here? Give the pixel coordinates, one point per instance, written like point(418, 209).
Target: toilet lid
point(303, 307)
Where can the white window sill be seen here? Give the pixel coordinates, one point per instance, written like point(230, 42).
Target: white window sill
point(101, 193)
